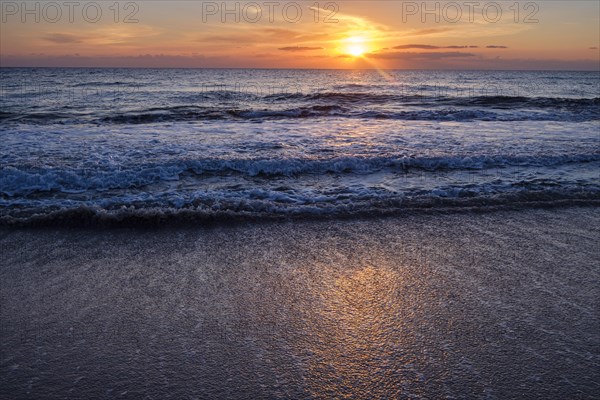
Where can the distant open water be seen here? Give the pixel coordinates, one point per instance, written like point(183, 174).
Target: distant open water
point(108, 145)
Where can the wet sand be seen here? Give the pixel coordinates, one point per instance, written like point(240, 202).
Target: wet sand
point(495, 305)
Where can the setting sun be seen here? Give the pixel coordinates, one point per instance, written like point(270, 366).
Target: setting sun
point(356, 50)
point(355, 46)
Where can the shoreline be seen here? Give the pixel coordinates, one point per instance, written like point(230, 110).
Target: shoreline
point(174, 218)
point(496, 304)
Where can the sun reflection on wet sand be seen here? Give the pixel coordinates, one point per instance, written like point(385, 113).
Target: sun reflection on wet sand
point(361, 340)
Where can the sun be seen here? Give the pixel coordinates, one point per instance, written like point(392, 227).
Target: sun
point(356, 50)
point(355, 46)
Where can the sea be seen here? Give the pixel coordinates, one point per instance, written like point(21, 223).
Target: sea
point(84, 146)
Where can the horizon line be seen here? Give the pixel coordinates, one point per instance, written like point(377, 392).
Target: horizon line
point(311, 69)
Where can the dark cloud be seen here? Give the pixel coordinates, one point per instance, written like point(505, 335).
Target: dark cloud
point(63, 38)
point(299, 48)
point(593, 48)
point(416, 46)
point(496, 47)
point(430, 47)
point(420, 56)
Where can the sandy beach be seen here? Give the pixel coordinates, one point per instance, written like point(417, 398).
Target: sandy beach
point(490, 305)
point(370, 200)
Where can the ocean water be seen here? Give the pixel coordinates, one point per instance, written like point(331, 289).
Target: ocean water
point(157, 144)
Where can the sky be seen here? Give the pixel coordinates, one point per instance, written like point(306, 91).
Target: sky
point(550, 35)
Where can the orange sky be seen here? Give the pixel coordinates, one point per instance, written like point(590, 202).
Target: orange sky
point(284, 34)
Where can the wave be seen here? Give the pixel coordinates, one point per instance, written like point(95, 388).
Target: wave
point(260, 211)
point(424, 99)
point(106, 83)
point(453, 111)
point(185, 113)
point(239, 106)
point(24, 181)
point(509, 102)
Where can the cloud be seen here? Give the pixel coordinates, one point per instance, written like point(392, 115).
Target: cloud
point(63, 38)
point(430, 47)
point(416, 46)
point(593, 48)
point(496, 47)
point(258, 37)
point(299, 48)
point(123, 35)
point(402, 55)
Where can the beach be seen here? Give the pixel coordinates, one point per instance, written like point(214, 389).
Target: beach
point(301, 200)
point(494, 305)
